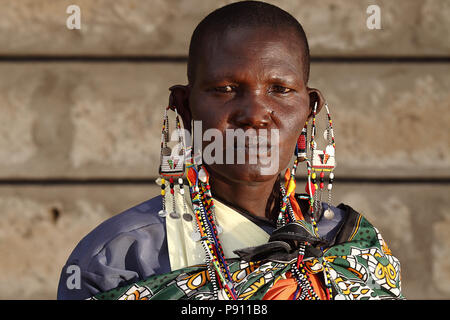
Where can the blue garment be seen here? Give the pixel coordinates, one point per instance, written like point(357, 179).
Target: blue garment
point(132, 246)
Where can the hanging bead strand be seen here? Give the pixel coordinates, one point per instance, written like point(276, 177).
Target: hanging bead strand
point(164, 148)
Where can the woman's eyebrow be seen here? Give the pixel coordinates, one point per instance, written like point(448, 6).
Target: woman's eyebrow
point(219, 75)
point(273, 77)
point(288, 79)
point(216, 78)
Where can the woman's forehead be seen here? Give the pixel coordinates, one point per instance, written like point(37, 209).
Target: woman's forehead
point(243, 71)
point(245, 49)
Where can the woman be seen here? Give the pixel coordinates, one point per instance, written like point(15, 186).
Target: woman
point(239, 230)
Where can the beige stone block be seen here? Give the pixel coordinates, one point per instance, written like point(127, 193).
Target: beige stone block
point(17, 145)
point(339, 28)
point(434, 19)
point(40, 226)
point(413, 220)
point(389, 120)
point(83, 120)
point(107, 27)
point(117, 117)
point(441, 253)
point(132, 27)
point(100, 120)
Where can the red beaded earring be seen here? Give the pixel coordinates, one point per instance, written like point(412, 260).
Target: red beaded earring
point(301, 144)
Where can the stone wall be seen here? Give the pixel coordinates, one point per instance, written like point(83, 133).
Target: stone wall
point(81, 114)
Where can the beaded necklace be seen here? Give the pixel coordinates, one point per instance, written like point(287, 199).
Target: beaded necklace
point(218, 271)
point(203, 207)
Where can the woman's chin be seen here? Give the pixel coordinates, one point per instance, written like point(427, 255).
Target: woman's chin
point(251, 173)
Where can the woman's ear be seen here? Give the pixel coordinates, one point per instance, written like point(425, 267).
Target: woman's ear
point(315, 96)
point(179, 99)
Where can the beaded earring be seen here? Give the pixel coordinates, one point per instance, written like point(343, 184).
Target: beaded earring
point(301, 147)
point(322, 161)
point(172, 166)
point(304, 288)
point(300, 156)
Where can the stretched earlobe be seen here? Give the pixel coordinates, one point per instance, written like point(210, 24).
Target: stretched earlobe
point(315, 96)
point(179, 99)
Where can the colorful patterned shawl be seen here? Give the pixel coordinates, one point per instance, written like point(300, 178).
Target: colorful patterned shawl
point(358, 263)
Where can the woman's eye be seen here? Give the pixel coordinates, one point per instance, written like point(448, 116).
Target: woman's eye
point(280, 89)
point(225, 89)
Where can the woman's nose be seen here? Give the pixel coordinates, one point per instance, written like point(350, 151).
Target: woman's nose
point(252, 111)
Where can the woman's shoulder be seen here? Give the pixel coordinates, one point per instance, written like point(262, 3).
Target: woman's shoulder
point(343, 225)
point(139, 216)
point(122, 248)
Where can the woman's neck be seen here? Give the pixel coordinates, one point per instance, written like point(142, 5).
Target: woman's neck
point(260, 199)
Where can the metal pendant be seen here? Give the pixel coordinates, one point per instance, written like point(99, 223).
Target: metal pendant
point(328, 214)
point(174, 215)
point(195, 236)
point(166, 151)
point(162, 213)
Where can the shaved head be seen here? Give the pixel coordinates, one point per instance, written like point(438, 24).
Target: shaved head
point(246, 14)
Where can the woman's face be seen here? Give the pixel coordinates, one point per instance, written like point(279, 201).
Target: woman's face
point(251, 78)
